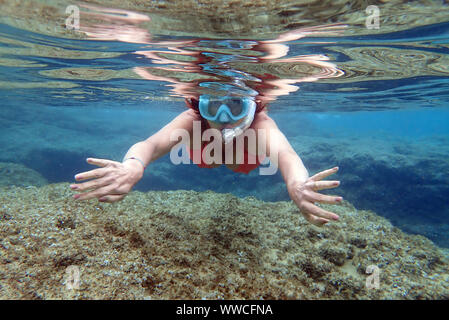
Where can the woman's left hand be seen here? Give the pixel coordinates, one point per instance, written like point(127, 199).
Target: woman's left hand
point(304, 195)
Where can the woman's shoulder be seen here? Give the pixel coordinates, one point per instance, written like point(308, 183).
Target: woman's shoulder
point(191, 114)
point(262, 120)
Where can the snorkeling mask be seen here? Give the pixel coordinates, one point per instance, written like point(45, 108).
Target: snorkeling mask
point(228, 110)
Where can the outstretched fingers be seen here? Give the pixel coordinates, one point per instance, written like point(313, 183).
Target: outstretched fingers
point(321, 185)
point(91, 184)
point(317, 221)
point(92, 174)
point(323, 174)
point(99, 162)
point(324, 198)
point(97, 193)
point(112, 198)
point(310, 208)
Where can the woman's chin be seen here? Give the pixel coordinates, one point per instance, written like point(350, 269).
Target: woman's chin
point(223, 126)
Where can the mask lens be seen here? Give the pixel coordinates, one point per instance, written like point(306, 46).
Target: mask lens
point(213, 107)
point(236, 106)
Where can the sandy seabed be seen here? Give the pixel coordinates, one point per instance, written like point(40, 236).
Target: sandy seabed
point(204, 245)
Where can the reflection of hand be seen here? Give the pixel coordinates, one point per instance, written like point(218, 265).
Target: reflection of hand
point(304, 195)
point(115, 25)
point(322, 30)
point(111, 182)
point(125, 33)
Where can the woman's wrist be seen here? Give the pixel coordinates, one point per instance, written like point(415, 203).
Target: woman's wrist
point(137, 159)
point(293, 184)
point(135, 165)
point(300, 177)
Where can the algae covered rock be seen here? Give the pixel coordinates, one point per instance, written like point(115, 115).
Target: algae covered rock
point(13, 174)
point(333, 252)
point(205, 245)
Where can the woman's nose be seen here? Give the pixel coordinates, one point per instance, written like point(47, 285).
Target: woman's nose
point(224, 118)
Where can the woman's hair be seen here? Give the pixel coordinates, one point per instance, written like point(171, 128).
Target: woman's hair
point(193, 103)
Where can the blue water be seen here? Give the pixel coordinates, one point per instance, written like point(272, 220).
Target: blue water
point(388, 136)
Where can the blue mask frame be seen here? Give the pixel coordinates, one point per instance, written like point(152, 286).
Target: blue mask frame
point(224, 114)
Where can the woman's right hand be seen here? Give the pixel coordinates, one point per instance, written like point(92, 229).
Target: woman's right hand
point(110, 183)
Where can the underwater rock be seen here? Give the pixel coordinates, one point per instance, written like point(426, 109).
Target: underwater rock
point(407, 188)
point(333, 253)
point(13, 174)
point(194, 245)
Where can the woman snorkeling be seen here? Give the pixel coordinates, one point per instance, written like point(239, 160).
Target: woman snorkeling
point(233, 116)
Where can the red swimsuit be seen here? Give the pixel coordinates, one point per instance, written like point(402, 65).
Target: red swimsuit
point(246, 167)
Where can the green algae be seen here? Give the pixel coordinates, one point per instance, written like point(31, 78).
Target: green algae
point(204, 245)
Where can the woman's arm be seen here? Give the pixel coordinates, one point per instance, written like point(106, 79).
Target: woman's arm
point(159, 143)
point(301, 188)
point(281, 153)
point(114, 180)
